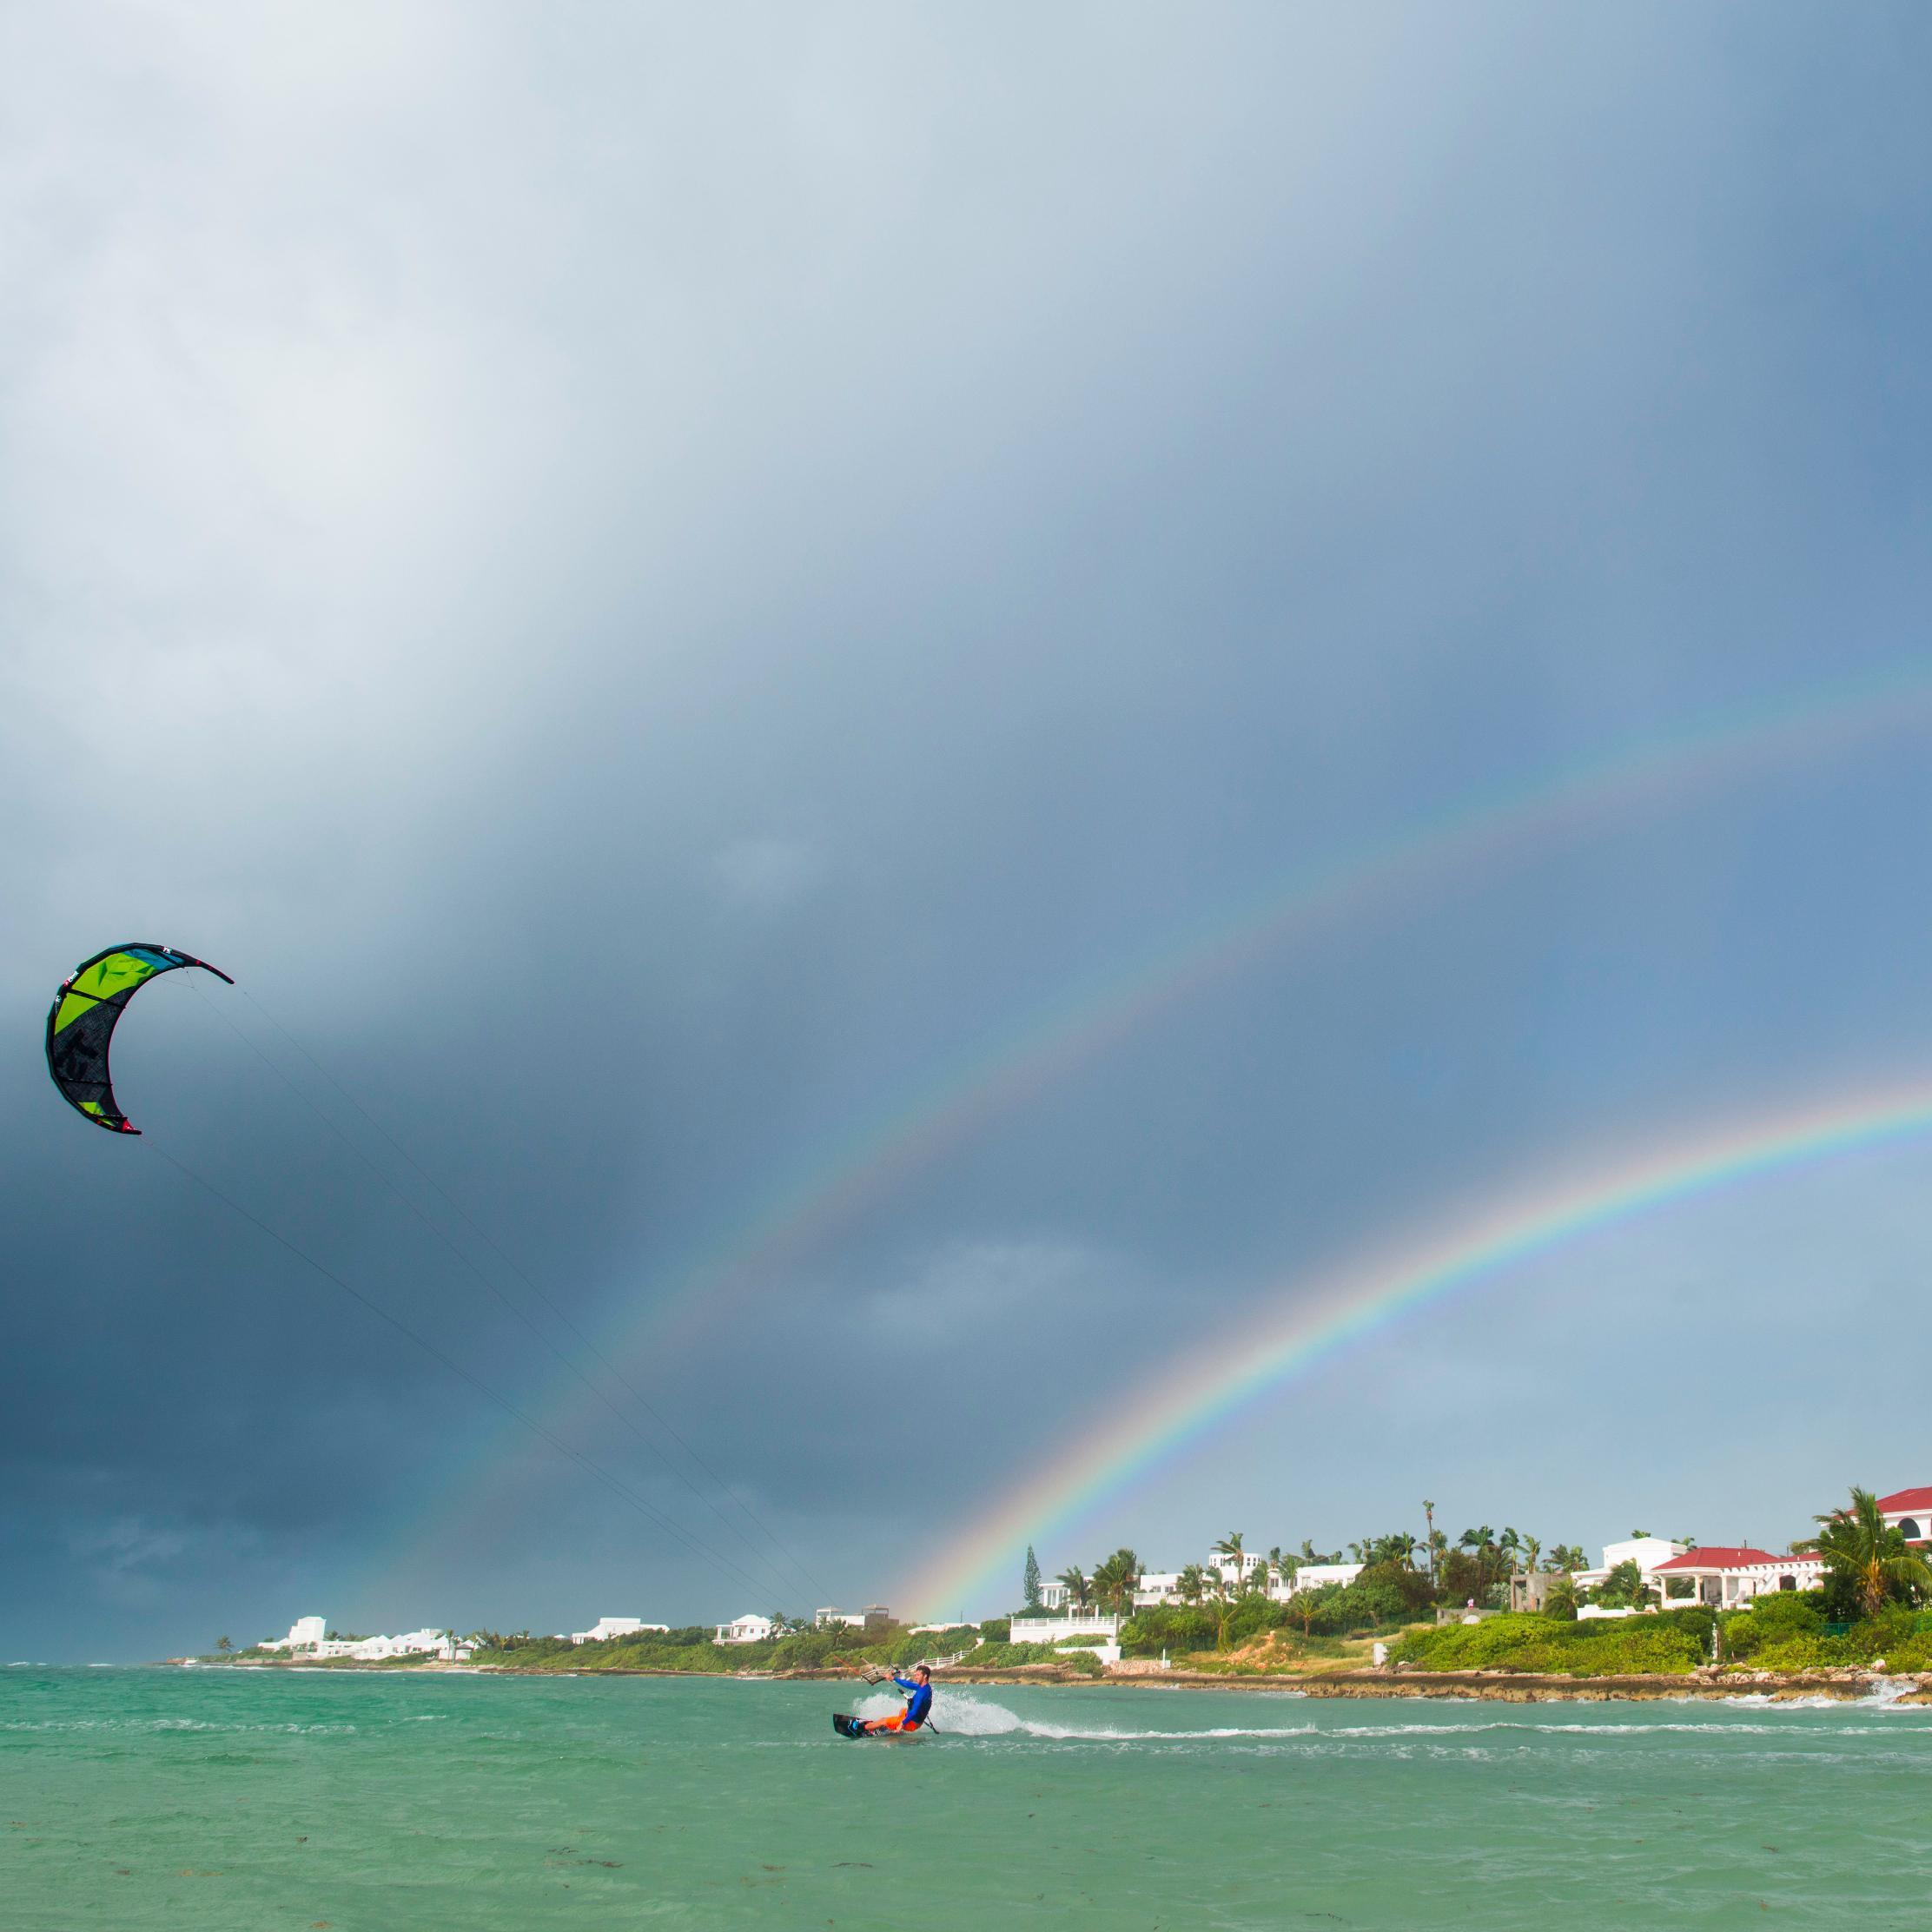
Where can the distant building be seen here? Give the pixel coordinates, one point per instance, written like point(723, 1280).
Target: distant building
point(1054, 1630)
point(1910, 1509)
point(830, 1617)
point(374, 1650)
point(1530, 1588)
point(745, 1630)
point(1313, 1576)
point(1250, 1570)
point(304, 1634)
point(1649, 1554)
point(607, 1627)
point(1725, 1577)
point(1051, 1630)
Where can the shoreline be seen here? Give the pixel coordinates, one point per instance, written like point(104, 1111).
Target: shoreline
point(1496, 1686)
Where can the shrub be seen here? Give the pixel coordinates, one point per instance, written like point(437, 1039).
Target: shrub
point(1669, 1643)
point(1773, 1619)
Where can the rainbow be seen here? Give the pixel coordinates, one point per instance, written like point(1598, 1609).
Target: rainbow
point(1491, 829)
point(1358, 1302)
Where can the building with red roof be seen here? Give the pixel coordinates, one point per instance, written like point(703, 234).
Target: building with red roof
point(1910, 1509)
point(1727, 1575)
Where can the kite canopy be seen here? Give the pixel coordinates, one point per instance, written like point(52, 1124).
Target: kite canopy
point(85, 1012)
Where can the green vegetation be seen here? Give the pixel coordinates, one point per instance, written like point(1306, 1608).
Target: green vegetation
point(1670, 1642)
point(1794, 1632)
point(1868, 1565)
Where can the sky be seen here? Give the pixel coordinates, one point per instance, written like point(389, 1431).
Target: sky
point(669, 588)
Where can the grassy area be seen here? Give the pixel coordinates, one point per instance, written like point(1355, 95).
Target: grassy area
point(1786, 1632)
point(1674, 1641)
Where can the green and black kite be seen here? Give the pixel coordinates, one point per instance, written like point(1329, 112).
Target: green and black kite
point(85, 1012)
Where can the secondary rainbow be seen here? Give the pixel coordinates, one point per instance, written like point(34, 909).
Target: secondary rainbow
point(1367, 1298)
point(1495, 828)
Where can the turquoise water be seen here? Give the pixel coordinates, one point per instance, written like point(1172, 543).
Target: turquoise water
point(211, 1799)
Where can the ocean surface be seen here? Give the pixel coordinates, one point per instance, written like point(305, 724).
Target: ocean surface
point(291, 1801)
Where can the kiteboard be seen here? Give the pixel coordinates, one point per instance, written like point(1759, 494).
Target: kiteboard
point(848, 1726)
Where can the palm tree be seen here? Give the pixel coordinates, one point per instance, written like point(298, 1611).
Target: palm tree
point(1114, 1581)
point(1869, 1556)
point(223, 1644)
point(1429, 1514)
point(1568, 1558)
point(1283, 1564)
point(1560, 1599)
point(1533, 1553)
point(1079, 1586)
point(1229, 1548)
point(1192, 1584)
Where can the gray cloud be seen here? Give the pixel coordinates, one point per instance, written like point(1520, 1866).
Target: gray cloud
point(660, 593)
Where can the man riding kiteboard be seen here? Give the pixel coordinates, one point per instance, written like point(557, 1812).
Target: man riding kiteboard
point(918, 1688)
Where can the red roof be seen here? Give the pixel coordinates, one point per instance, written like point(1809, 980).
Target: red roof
point(1905, 1499)
point(1712, 1557)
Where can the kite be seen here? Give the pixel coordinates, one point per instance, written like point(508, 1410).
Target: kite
point(85, 1012)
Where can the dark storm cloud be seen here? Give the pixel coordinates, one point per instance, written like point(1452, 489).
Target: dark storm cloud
point(648, 587)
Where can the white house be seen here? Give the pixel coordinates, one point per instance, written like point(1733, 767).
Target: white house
point(1910, 1509)
point(745, 1630)
point(1249, 1571)
point(1649, 1554)
point(373, 1649)
point(304, 1634)
point(1313, 1576)
point(1051, 1630)
point(607, 1627)
point(1237, 1571)
point(1725, 1577)
point(873, 1617)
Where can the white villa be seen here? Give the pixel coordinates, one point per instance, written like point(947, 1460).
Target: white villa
point(309, 1637)
point(1054, 1629)
point(1235, 1574)
point(873, 1617)
point(750, 1629)
point(1910, 1509)
point(304, 1634)
point(1649, 1554)
point(607, 1627)
point(1727, 1577)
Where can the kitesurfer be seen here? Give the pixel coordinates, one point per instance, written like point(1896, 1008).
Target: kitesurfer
point(918, 1690)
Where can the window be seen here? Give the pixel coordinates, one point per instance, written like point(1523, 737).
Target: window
point(1911, 1528)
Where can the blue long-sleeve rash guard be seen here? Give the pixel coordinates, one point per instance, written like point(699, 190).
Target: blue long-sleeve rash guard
point(920, 1701)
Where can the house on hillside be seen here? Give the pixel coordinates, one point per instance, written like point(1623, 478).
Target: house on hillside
point(1250, 1571)
point(1910, 1509)
point(304, 1634)
point(607, 1627)
point(1649, 1554)
point(745, 1630)
point(1724, 1576)
point(1313, 1576)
